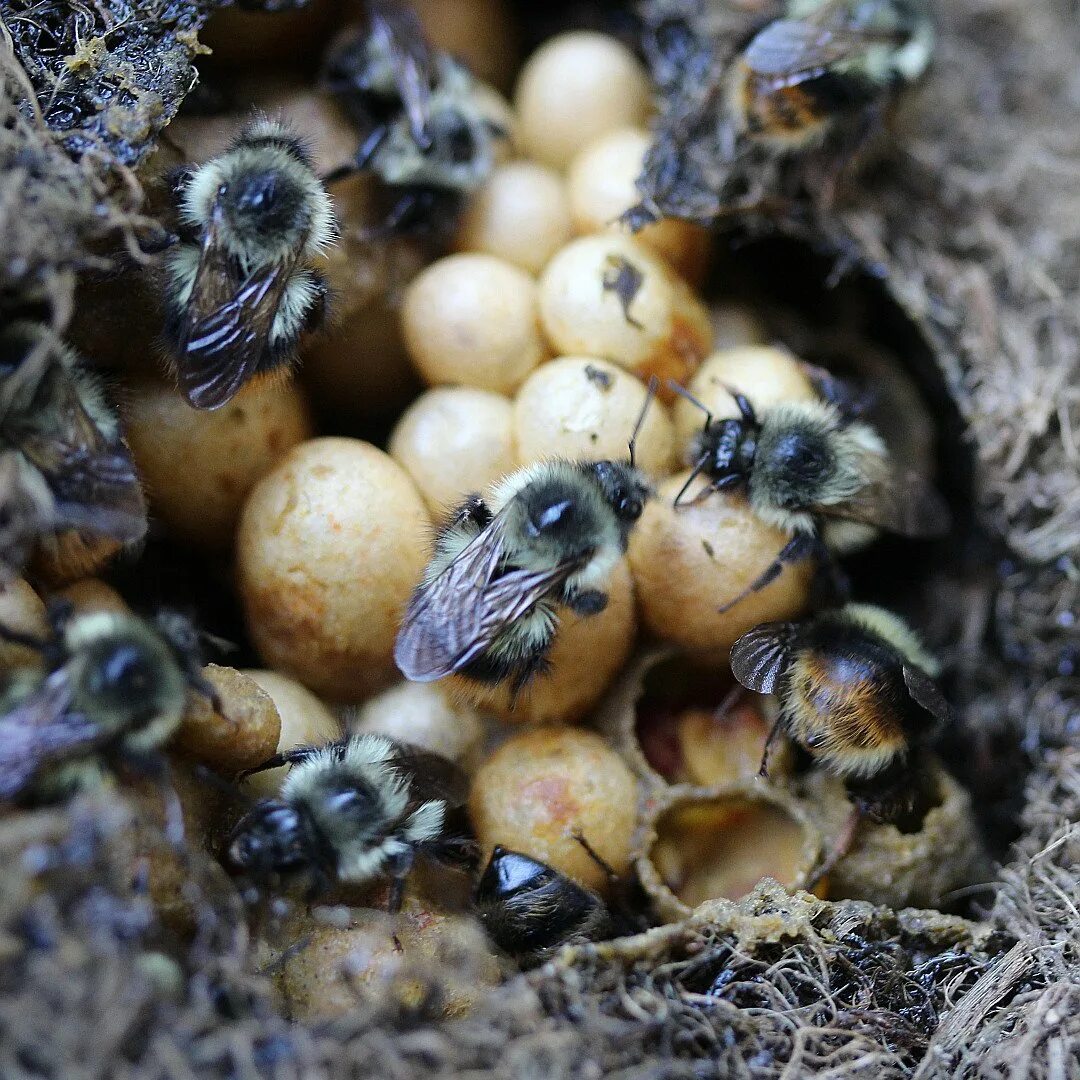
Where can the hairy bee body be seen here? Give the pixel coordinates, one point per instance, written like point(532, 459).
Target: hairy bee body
point(352, 811)
point(113, 686)
point(805, 466)
point(423, 132)
point(550, 536)
point(530, 909)
point(807, 456)
point(845, 694)
point(854, 687)
point(63, 462)
point(241, 287)
point(825, 61)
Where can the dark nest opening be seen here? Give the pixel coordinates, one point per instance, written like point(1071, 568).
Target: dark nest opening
point(967, 236)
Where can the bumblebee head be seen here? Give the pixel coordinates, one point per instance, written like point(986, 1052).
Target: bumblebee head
point(273, 836)
point(726, 448)
point(624, 488)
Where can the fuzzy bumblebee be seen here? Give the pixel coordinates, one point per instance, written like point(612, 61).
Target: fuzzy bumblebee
point(113, 690)
point(63, 462)
point(423, 131)
point(855, 689)
point(353, 811)
point(805, 466)
point(241, 288)
point(488, 605)
point(529, 908)
point(824, 64)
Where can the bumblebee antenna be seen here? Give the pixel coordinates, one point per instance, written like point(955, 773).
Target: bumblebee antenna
point(683, 392)
point(746, 410)
point(699, 468)
point(770, 741)
point(654, 384)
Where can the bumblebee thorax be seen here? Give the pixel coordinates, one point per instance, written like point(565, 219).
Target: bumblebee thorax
point(798, 458)
point(264, 213)
point(126, 679)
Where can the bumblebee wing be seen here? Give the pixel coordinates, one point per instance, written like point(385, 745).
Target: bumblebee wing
point(91, 477)
point(762, 655)
point(27, 510)
point(853, 401)
point(925, 692)
point(228, 323)
point(41, 731)
point(789, 49)
point(413, 63)
point(432, 775)
point(898, 500)
point(454, 618)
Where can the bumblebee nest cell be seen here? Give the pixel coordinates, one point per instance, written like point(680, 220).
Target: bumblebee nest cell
point(760, 930)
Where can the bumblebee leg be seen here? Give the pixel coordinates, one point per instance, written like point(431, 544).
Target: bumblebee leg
point(830, 585)
point(770, 740)
point(16, 637)
point(286, 757)
point(852, 401)
point(399, 868)
point(722, 484)
point(202, 685)
point(799, 547)
point(840, 848)
point(156, 766)
point(474, 513)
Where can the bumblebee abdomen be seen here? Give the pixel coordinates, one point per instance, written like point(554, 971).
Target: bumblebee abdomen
point(846, 709)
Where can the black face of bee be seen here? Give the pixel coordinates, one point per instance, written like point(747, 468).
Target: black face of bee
point(728, 448)
point(270, 838)
point(623, 488)
point(528, 907)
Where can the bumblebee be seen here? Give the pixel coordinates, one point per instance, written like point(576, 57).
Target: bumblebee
point(824, 65)
point(856, 690)
point(353, 811)
point(530, 909)
point(63, 461)
point(803, 465)
point(241, 290)
point(113, 690)
point(423, 132)
point(550, 535)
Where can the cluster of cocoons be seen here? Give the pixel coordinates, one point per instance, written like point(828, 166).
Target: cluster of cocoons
point(535, 336)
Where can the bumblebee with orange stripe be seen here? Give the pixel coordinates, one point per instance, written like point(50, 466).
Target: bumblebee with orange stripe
point(855, 689)
point(822, 62)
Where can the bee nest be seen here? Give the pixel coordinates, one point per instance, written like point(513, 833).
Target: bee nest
point(886, 865)
point(700, 844)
